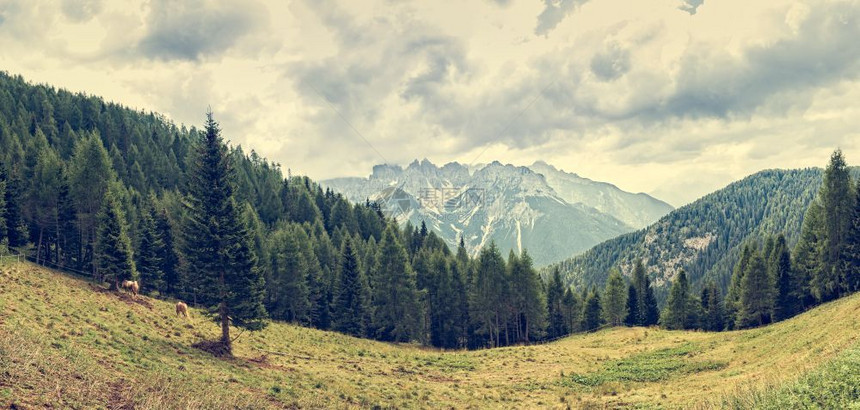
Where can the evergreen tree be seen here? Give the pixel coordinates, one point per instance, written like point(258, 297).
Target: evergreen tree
point(632, 306)
point(486, 297)
point(647, 313)
point(592, 316)
point(287, 286)
point(3, 240)
point(90, 174)
point(167, 256)
point(733, 298)
point(16, 229)
point(217, 245)
point(558, 326)
point(713, 313)
point(756, 299)
point(397, 311)
point(787, 302)
point(851, 250)
point(350, 303)
point(528, 300)
point(42, 201)
point(573, 309)
point(149, 253)
point(113, 251)
point(808, 255)
point(679, 311)
point(837, 201)
point(615, 299)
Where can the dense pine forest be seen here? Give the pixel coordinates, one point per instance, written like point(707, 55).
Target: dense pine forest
point(706, 237)
point(116, 194)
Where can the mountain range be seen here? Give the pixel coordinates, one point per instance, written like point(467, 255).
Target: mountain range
point(549, 212)
point(705, 237)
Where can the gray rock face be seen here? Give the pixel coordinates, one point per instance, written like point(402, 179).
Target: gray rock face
point(548, 212)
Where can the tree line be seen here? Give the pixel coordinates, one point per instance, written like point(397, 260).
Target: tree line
point(118, 194)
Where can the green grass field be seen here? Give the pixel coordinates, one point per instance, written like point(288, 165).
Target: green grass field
point(65, 342)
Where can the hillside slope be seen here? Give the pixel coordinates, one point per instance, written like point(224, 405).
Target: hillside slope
point(65, 342)
point(704, 238)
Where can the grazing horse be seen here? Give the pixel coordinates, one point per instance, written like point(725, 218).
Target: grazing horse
point(131, 286)
point(181, 309)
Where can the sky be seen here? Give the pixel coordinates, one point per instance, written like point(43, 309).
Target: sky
point(675, 98)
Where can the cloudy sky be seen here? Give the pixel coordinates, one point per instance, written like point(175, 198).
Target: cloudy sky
point(675, 98)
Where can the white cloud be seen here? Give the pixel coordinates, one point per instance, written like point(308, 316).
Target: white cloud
point(674, 102)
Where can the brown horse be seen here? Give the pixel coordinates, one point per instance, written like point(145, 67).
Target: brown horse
point(131, 286)
point(181, 309)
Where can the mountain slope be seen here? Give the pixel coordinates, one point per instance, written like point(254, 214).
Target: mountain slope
point(65, 342)
point(705, 237)
point(635, 210)
point(517, 207)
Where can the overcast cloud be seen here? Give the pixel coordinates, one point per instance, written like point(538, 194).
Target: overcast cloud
point(673, 98)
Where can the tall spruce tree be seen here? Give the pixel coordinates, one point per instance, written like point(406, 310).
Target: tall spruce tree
point(287, 287)
point(3, 239)
point(168, 257)
point(216, 244)
point(573, 308)
point(486, 296)
point(837, 201)
point(851, 250)
point(808, 255)
point(397, 311)
point(149, 252)
point(787, 301)
point(558, 326)
point(592, 315)
point(632, 306)
point(757, 293)
point(733, 298)
point(113, 252)
point(679, 311)
point(647, 313)
point(16, 229)
point(615, 299)
point(349, 307)
point(713, 313)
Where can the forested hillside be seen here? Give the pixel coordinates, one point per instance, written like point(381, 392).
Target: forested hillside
point(116, 194)
point(704, 238)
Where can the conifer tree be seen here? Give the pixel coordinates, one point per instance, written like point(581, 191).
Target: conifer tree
point(756, 299)
point(167, 256)
point(113, 252)
point(216, 243)
point(786, 298)
point(713, 313)
point(555, 307)
point(573, 309)
point(397, 311)
point(679, 312)
point(632, 306)
point(3, 240)
point(615, 299)
point(16, 228)
point(150, 251)
point(851, 250)
point(592, 316)
point(733, 298)
point(647, 313)
point(837, 201)
point(90, 174)
point(808, 256)
point(350, 302)
point(486, 297)
point(287, 285)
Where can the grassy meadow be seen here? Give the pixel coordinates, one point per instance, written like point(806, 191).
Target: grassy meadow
point(66, 342)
